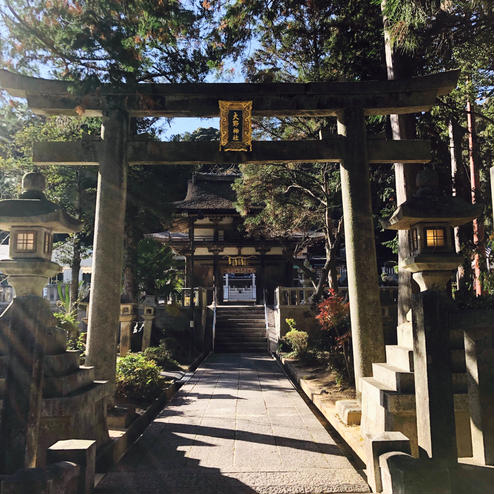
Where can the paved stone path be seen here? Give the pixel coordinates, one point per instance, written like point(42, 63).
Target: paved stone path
point(237, 427)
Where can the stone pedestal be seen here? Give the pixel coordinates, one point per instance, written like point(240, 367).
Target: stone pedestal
point(363, 286)
point(433, 379)
point(479, 355)
point(127, 320)
point(68, 402)
point(25, 336)
point(148, 317)
point(81, 452)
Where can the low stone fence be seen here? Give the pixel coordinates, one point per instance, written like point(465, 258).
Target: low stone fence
point(294, 303)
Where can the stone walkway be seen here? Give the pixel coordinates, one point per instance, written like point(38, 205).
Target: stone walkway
point(238, 426)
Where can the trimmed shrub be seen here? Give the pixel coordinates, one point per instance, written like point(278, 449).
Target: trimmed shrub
point(298, 340)
point(162, 357)
point(138, 378)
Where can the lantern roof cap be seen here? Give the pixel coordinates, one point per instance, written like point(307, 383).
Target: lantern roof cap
point(429, 205)
point(34, 209)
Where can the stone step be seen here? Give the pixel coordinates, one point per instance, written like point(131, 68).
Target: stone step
point(239, 317)
point(56, 341)
point(243, 349)
point(55, 386)
point(61, 364)
point(246, 324)
point(237, 342)
point(378, 393)
point(258, 333)
point(229, 320)
point(395, 378)
point(224, 310)
point(400, 357)
point(239, 329)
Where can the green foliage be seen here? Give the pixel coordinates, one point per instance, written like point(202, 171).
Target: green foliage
point(66, 315)
point(108, 40)
point(157, 271)
point(138, 378)
point(298, 340)
point(162, 357)
point(79, 344)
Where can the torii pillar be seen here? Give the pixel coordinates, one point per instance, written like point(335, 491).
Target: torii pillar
point(360, 247)
point(104, 304)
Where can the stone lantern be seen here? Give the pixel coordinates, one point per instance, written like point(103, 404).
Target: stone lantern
point(429, 218)
point(32, 220)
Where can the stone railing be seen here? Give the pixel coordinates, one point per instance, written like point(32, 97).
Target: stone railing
point(286, 296)
point(291, 295)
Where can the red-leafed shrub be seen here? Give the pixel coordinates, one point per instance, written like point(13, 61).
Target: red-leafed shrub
point(334, 318)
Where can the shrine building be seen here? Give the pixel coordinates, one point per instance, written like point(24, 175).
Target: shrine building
point(208, 232)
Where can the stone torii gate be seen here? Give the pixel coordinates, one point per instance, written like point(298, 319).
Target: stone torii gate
point(350, 102)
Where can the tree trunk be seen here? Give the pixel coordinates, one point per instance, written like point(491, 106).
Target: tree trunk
point(478, 226)
point(400, 66)
point(458, 181)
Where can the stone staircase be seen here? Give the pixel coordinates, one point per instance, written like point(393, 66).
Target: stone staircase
point(388, 397)
point(240, 329)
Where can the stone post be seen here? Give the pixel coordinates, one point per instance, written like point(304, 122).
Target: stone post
point(148, 316)
point(104, 306)
point(479, 355)
point(127, 319)
point(27, 317)
point(363, 287)
point(436, 433)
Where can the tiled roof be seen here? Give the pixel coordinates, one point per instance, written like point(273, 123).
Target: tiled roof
point(209, 192)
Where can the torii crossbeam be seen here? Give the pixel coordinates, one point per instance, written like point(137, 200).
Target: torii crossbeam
point(350, 102)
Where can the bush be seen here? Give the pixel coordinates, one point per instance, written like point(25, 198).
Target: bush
point(334, 318)
point(138, 378)
point(162, 357)
point(298, 340)
point(78, 344)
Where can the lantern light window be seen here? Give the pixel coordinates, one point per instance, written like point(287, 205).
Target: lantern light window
point(414, 239)
point(47, 243)
point(25, 242)
point(435, 237)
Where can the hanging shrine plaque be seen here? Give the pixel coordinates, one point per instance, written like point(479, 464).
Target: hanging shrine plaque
point(235, 125)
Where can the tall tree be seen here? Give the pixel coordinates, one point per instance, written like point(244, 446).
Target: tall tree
point(300, 200)
point(107, 40)
point(442, 35)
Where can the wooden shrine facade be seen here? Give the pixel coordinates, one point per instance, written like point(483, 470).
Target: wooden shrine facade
point(350, 102)
point(208, 232)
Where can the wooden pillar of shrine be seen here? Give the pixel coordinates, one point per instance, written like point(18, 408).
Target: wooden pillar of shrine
point(363, 287)
point(104, 305)
point(217, 279)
